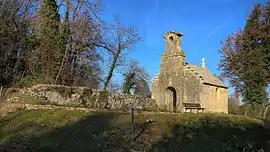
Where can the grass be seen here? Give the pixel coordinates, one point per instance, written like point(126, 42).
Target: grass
point(61, 130)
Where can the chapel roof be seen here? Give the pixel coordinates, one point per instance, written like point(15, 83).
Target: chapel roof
point(206, 76)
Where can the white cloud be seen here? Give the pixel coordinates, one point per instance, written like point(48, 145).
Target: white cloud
point(210, 34)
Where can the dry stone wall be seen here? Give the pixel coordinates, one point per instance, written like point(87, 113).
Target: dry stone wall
point(86, 97)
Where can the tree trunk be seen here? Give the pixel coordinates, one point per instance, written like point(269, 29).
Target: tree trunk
point(246, 110)
point(260, 112)
point(1, 89)
point(68, 39)
point(265, 111)
point(110, 74)
point(74, 65)
point(112, 67)
point(262, 106)
point(20, 81)
point(61, 66)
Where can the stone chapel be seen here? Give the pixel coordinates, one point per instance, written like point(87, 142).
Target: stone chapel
point(178, 83)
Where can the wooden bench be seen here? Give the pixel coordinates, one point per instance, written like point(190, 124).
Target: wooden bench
point(191, 106)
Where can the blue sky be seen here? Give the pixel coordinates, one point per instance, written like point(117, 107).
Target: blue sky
point(204, 24)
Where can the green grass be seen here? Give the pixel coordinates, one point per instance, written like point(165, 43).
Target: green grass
point(61, 130)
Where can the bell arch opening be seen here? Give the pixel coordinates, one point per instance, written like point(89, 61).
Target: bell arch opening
point(170, 99)
point(171, 38)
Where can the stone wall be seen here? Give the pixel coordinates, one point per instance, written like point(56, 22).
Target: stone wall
point(86, 97)
point(218, 96)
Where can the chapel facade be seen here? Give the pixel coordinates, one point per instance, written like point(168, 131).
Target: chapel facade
point(179, 83)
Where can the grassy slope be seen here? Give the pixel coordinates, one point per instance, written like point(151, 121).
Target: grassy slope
point(60, 130)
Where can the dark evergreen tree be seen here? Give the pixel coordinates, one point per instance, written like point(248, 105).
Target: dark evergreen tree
point(135, 81)
point(49, 52)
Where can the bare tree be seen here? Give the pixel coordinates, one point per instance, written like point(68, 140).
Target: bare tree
point(14, 39)
point(78, 7)
point(117, 41)
point(81, 28)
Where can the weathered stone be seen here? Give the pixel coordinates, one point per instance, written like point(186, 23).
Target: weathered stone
point(178, 82)
point(54, 97)
point(86, 97)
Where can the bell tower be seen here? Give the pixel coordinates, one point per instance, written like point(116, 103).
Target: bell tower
point(173, 43)
point(173, 58)
point(167, 86)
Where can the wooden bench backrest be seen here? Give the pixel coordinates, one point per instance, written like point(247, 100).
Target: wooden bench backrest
point(195, 105)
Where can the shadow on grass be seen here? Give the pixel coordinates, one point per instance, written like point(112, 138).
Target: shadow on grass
point(93, 133)
point(208, 135)
point(105, 131)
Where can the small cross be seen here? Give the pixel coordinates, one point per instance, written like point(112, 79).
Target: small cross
point(203, 62)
